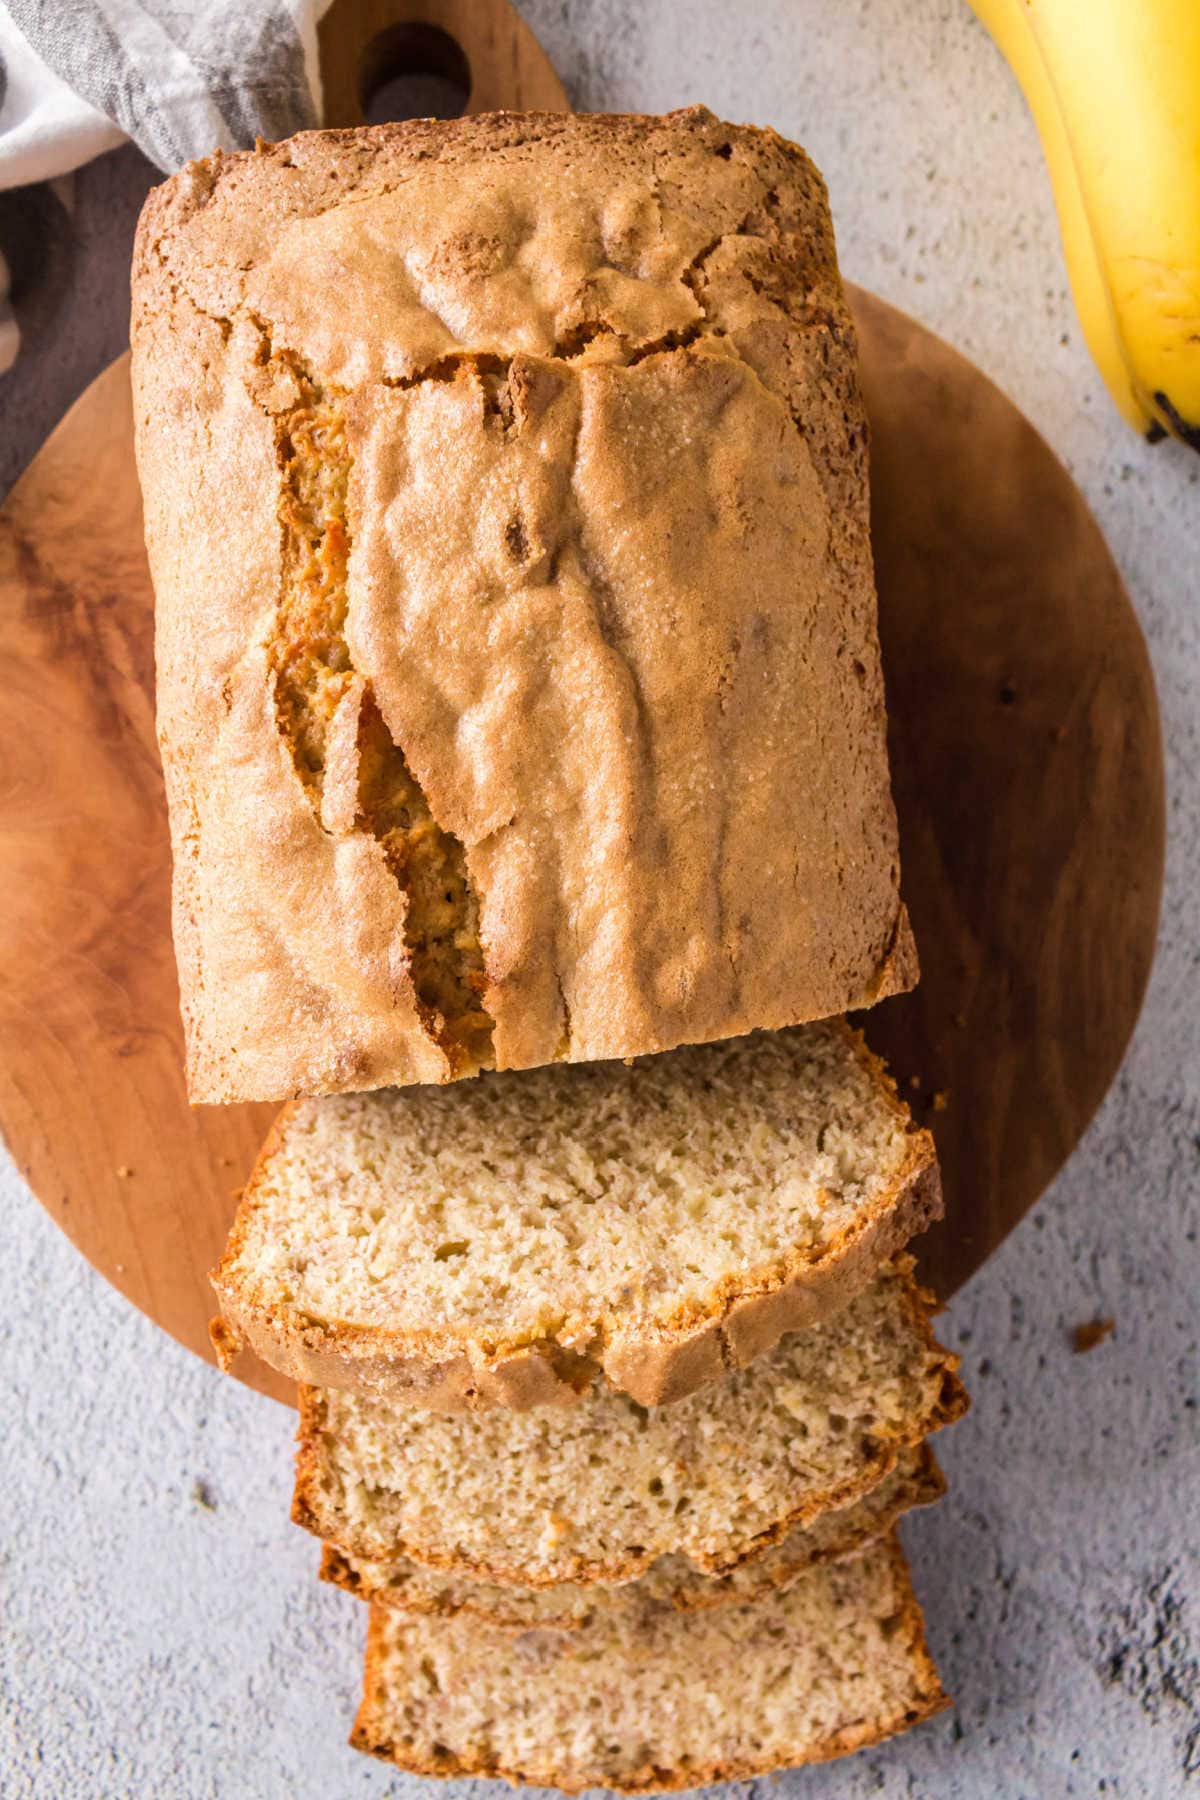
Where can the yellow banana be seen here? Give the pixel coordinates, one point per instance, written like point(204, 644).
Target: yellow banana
point(1114, 87)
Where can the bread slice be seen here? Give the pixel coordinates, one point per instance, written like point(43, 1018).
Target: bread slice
point(599, 1491)
point(672, 1581)
point(504, 1241)
point(658, 1701)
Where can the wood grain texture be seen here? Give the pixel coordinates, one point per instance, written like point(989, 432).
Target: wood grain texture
point(509, 71)
point(1027, 765)
point(92, 1098)
point(1028, 775)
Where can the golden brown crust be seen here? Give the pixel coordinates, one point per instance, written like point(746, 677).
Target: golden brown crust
point(649, 1780)
point(226, 1344)
point(847, 1533)
point(950, 1404)
point(656, 1362)
point(371, 1735)
point(685, 274)
point(899, 971)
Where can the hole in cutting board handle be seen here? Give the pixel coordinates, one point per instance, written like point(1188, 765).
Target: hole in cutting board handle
point(413, 71)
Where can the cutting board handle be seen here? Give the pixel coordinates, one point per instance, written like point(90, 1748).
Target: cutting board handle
point(482, 46)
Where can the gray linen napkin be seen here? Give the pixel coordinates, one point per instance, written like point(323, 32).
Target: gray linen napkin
point(181, 77)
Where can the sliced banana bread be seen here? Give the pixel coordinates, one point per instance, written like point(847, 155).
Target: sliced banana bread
point(599, 1491)
point(504, 1241)
point(672, 1581)
point(657, 1701)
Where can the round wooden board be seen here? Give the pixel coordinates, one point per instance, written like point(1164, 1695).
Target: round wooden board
point(1026, 758)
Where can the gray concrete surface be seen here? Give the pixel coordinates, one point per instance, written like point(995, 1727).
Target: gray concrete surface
point(162, 1631)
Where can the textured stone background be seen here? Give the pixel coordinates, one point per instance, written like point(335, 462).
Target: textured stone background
point(162, 1630)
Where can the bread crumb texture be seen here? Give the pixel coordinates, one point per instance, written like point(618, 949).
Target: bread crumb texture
point(601, 1490)
point(1091, 1333)
point(519, 687)
point(671, 1581)
point(660, 1701)
point(661, 1222)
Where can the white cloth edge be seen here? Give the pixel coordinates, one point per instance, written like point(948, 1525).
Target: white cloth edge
point(45, 128)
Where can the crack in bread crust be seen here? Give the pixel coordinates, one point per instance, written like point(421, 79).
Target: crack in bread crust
point(314, 673)
point(314, 676)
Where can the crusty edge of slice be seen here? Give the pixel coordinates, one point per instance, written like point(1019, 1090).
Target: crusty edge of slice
point(900, 969)
point(923, 1487)
point(927, 1698)
point(951, 1403)
point(654, 1362)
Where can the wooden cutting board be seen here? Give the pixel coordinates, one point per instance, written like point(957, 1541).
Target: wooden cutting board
point(1025, 745)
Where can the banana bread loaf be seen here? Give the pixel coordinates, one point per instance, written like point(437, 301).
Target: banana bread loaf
point(519, 686)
